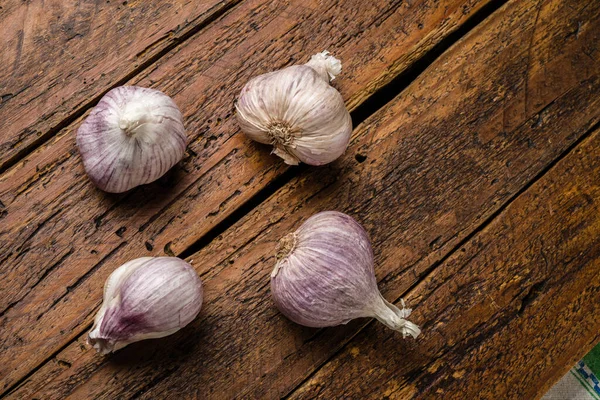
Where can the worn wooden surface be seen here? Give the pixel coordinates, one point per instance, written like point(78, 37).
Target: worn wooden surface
point(59, 57)
point(453, 179)
point(508, 300)
point(75, 234)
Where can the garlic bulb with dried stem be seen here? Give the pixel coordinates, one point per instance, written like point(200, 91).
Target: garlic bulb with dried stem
point(133, 136)
point(149, 297)
point(298, 112)
point(324, 276)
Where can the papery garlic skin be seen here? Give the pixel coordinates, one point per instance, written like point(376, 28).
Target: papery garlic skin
point(324, 276)
point(297, 111)
point(133, 136)
point(149, 297)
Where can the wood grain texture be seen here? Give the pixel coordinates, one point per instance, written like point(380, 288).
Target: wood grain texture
point(73, 235)
point(457, 168)
point(507, 315)
point(58, 57)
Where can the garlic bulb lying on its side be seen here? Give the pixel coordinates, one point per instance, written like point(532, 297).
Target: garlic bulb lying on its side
point(133, 136)
point(324, 276)
point(149, 297)
point(297, 111)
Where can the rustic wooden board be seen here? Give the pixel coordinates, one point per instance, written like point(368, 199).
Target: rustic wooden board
point(64, 57)
point(59, 57)
point(74, 235)
point(506, 315)
point(417, 204)
point(378, 195)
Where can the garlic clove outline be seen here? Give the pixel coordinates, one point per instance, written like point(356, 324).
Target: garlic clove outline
point(146, 298)
point(297, 111)
point(325, 276)
point(133, 136)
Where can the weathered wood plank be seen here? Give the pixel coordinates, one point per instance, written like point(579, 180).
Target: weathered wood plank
point(58, 57)
point(506, 316)
point(74, 235)
point(417, 205)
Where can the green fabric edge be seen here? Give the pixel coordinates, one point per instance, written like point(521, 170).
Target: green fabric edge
point(585, 385)
point(592, 360)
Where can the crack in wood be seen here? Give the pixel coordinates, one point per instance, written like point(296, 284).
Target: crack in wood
point(265, 199)
point(219, 12)
point(526, 301)
point(38, 281)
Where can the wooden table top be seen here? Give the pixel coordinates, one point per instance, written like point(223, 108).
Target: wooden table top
point(474, 166)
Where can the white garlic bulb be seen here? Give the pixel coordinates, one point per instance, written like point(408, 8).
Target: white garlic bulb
point(298, 112)
point(149, 297)
point(133, 136)
point(324, 276)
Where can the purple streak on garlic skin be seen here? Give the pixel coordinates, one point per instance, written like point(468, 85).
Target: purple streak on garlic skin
point(149, 297)
point(133, 136)
point(325, 276)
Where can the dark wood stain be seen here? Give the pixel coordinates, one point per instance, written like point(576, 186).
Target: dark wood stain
point(205, 86)
point(475, 179)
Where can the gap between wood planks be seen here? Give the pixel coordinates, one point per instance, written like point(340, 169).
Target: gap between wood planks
point(349, 159)
point(370, 106)
point(28, 149)
point(429, 272)
point(266, 166)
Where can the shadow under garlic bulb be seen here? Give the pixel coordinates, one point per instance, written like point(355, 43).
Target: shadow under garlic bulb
point(297, 111)
point(133, 136)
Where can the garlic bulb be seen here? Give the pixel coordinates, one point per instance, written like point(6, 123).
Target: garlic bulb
point(324, 276)
point(149, 297)
point(133, 136)
point(298, 112)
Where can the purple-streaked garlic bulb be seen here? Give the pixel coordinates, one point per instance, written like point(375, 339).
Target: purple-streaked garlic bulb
point(146, 298)
point(133, 136)
point(324, 276)
point(297, 111)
